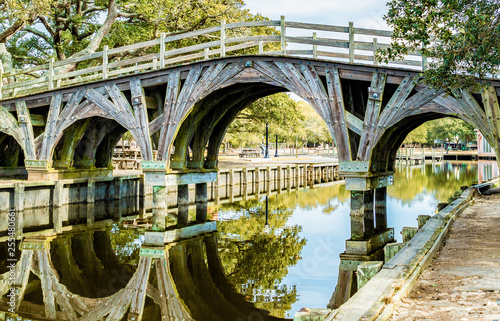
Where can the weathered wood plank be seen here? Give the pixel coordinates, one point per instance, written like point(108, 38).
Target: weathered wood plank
point(315, 26)
point(336, 102)
point(24, 120)
point(169, 125)
point(139, 298)
point(22, 275)
point(370, 124)
point(141, 117)
point(52, 119)
point(354, 123)
point(47, 290)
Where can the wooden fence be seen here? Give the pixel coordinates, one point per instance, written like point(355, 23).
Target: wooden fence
point(348, 44)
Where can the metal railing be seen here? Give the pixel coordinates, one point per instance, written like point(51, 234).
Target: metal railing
point(108, 63)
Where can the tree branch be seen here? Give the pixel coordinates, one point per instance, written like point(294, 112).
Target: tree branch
point(12, 30)
point(47, 26)
point(39, 34)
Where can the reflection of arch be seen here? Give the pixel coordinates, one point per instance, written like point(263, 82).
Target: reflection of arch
point(185, 281)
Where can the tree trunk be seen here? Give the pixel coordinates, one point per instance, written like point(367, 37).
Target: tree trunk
point(6, 61)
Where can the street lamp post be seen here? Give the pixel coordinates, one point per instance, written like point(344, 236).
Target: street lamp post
point(266, 152)
point(276, 154)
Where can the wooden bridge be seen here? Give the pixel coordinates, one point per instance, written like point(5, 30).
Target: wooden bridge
point(180, 102)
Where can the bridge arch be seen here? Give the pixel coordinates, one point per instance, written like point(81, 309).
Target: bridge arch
point(322, 92)
point(471, 108)
point(86, 143)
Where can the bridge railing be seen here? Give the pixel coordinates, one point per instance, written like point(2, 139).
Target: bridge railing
point(342, 44)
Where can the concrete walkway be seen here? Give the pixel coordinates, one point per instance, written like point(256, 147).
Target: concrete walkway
point(463, 281)
point(233, 161)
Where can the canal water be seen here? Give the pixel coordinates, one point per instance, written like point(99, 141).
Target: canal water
point(293, 263)
point(280, 259)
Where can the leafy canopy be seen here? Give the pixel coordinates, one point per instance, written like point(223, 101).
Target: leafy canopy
point(460, 37)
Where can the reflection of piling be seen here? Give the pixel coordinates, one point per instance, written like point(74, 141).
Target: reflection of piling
point(381, 209)
point(201, 202)
point(19, 210)
point(182, 205)
point(369, 235)
point(159, 208)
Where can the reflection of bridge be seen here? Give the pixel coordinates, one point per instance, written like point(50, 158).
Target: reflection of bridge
point(79, 277)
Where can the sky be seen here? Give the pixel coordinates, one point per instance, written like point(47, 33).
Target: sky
point(363, 13)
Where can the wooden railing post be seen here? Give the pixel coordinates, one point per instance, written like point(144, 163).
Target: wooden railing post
point(206, 55)
point(261, 47)
point(424, 59)
point(283, 35)
point(223, 38)
point(315, 47)
point(1, 78)
point(155, 63)
point(375, 47)
point(105, 62)
point(351, 42)
point(51, 73)
point(162, 50)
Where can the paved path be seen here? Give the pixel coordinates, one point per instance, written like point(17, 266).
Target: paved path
point(463, 282)
point(233, 161)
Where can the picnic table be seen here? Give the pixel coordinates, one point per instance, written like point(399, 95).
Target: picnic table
point(249, 152)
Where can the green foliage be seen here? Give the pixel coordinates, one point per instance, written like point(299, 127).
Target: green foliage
point(125, 243)
point(244, 245)
point(443, 181)
point(442, 129)
point(467, 33)
point(419, 135)
point(63, 29)
point(289, 119)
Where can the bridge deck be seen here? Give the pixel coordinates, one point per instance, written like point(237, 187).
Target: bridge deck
point(332, 43)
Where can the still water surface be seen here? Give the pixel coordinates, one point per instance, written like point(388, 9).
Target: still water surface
point(314, 225)
point(281, 262)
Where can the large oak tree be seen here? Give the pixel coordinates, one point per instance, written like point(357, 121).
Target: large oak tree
point(460, 37)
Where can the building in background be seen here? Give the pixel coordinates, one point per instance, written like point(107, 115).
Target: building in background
point(484, 150)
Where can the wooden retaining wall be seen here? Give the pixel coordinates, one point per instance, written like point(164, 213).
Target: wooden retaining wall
point(46, 205)
point(382, 294)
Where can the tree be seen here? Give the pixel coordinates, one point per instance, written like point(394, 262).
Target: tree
point(418, 135)
point(289, 119)
point(257, 262)
point(279, 110)
point(33, 31)
point(461, 37)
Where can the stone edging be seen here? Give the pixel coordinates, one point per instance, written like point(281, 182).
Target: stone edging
point(378, 299)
